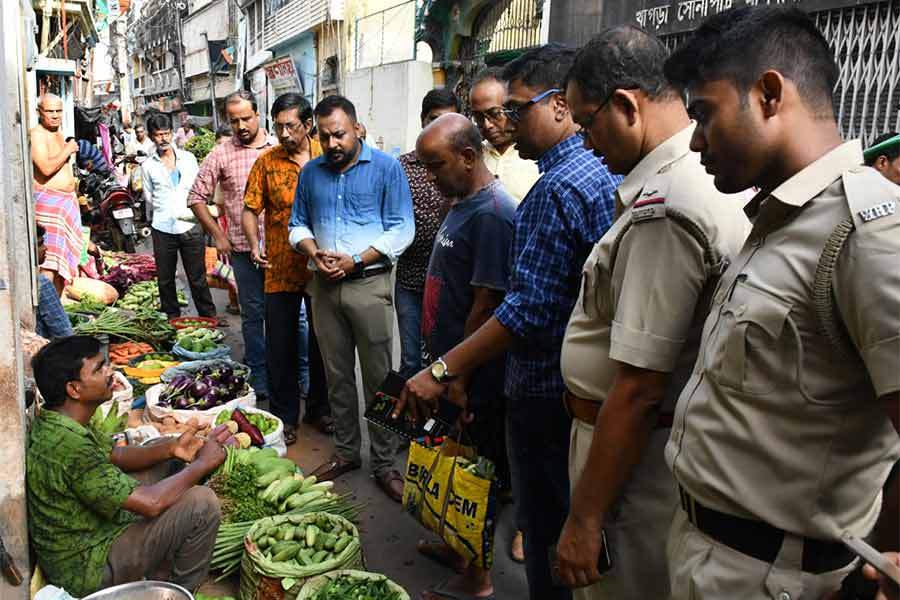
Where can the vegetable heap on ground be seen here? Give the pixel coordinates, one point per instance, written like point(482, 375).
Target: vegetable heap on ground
point(258, 420)
point(88, 305)
point(199, 339)
point(120, 354)
point(145, 295)
point(140, 325)
point(207, 388)
point(348, 586)
point(124, 272)
point(253, 484)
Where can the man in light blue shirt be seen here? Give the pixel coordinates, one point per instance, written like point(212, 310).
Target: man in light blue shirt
point(168, 175)
point(353, 216)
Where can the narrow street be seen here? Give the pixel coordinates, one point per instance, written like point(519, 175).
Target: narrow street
point(388, 535)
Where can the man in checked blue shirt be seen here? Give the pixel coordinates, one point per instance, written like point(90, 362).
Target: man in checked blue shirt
point(556, 226)
point(353, 217)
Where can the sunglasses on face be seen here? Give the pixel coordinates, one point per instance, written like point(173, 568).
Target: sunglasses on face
point(515, 112)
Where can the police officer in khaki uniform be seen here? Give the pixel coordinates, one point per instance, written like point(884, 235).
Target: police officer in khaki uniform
point(633, 335)
point(786, 431)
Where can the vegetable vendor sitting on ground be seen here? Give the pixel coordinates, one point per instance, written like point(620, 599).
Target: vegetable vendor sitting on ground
point(91, 524)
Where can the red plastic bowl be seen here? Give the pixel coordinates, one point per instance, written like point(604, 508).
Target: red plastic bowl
point(179, 322)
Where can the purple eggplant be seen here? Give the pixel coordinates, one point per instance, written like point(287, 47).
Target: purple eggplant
point(226, 371)
point(183, 403)
point(210, 399)
point(198, 389)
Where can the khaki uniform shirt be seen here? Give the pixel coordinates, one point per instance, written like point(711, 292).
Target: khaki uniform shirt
point(773, 424)
point(516, 173)
point(647, 309)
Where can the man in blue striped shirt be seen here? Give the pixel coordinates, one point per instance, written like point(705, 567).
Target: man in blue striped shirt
point(569, 208)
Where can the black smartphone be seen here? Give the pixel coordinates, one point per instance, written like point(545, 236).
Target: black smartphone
point(604, 561)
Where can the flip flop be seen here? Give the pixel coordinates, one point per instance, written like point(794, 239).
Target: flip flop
point(290, 435)
point(442, 590)
point(438, 552)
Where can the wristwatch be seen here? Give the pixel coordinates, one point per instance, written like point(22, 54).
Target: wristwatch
point(439, 371)
point(358, 264)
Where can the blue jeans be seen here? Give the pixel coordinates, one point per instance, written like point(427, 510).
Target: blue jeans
point(408, 304)
point(250, 285)
point(537, 433)
point(303, 353)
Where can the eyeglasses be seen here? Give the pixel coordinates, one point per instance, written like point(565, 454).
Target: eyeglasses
point(292, 127)
point(494, 115)
point(515, 112)
point(586, 126)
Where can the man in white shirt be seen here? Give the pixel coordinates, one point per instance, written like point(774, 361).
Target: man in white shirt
point(140, 143)
point(168, 175)
point(486, 98)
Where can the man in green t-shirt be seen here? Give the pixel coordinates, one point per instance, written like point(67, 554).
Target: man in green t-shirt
point(92, 525)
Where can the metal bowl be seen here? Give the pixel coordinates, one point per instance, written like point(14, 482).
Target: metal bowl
point(143, 590)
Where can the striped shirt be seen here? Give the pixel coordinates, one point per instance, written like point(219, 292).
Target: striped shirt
point(229, 165)
point(569, 208)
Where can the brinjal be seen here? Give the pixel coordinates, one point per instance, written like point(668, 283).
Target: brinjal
point(226, 371)
point(198, 389)
point(182, 402)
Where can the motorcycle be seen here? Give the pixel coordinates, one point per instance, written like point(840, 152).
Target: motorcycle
point(111, 211)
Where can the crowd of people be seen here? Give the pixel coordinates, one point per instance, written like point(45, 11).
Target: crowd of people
point(661, 286)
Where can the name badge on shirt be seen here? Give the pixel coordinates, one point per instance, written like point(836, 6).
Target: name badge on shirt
point(651, 208)
point(884, 209)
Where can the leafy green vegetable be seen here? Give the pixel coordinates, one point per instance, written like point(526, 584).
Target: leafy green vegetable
point(201, 144)
point(240, 498)
point(349, 586)
point(88, 304)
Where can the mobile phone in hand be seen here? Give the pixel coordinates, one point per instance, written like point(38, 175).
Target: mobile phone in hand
point(872, 557)
point(604, 561)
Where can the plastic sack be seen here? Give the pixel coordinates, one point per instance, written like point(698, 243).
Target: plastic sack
point(262, 579)
point(452, 502)
point(309, 589)
point(204, 417)
point(274, 440)
point(222, 351)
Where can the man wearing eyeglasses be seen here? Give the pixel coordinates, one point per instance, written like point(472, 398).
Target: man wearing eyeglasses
point(486, 98)
point(633, 337)
point(565, 213)
point(270, 188)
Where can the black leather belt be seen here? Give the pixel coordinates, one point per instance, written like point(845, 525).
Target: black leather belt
point(761, 540)
point(371, 272)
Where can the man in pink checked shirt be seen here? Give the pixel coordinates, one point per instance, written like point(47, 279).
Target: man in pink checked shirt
point(228, 165)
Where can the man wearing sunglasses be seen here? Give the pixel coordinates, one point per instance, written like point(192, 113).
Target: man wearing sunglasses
point(565, 213)
point(486, 98)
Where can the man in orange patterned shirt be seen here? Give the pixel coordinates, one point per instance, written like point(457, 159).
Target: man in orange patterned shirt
point(270, 187)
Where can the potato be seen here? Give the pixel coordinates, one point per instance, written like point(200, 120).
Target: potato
point(243, 439)
point(232, 426)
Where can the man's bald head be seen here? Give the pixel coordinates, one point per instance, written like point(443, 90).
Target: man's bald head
point(48, 100)
point(50, 109)
point(455, 131)
point(450, 148)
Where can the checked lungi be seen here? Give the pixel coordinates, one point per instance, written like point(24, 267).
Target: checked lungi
point(58, 213)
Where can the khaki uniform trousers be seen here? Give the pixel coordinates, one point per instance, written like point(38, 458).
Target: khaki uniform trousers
point(636, 525)
point(702, 568)
point(355, 316)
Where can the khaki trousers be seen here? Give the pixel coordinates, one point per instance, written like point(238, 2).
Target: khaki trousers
point(636, 525)
point(355, 316)
point(180, 539)
point(702, 568)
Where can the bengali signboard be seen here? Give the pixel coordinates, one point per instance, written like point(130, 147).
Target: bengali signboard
point(283, 77)
point(677, 16)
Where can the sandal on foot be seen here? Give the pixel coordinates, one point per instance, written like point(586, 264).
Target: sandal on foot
point(443, 591)
point(517, 547)
point(290, 435)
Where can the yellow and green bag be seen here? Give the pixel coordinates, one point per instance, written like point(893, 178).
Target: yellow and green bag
point(443, 492)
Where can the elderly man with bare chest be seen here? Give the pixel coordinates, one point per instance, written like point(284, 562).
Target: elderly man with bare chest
point(55, 200)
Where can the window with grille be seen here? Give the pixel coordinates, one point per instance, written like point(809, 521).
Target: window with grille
point(866, 44)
